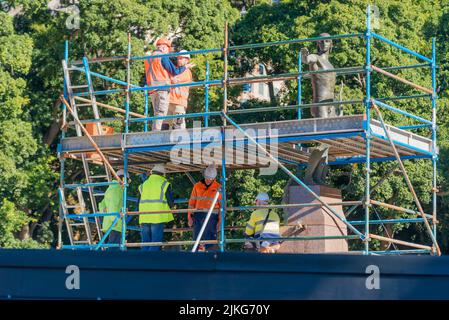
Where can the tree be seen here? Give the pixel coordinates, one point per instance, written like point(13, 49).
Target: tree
point(18, 147)
point(305, 19)
point(104, 26)
point(443, 133)
point(32, 46)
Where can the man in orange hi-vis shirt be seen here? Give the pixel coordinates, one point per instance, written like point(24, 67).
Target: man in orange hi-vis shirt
point(157, 73)
point(179, 96)
point(201, 198)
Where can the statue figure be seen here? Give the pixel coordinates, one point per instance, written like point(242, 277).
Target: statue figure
point(323, 84)
point(323, 87)
point(317, 168)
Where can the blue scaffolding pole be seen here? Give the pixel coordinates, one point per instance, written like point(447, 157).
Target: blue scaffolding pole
point(434, 139)
point(299, 93)
point(125, 200)
point(223, 194)
point(206, 96)
point(368, 36)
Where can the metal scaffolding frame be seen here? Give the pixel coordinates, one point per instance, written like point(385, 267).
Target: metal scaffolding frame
point(372, 142)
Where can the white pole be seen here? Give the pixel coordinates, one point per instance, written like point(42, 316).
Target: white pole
point(197, 241)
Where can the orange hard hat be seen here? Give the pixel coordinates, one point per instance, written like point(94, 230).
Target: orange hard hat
point(163, 41)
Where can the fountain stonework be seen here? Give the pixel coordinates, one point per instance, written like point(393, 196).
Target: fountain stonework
point(317, 220)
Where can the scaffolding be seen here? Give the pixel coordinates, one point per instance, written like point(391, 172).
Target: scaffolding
point(352, 139)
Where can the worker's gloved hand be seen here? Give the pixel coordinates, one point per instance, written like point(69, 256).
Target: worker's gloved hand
point(190, 221)
point(190, 65)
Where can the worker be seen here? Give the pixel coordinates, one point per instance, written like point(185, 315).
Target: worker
point(112, 203)
point(158, 72)
point(155, 195)
point(201, 198)
point(263, 223)
point(179, 96)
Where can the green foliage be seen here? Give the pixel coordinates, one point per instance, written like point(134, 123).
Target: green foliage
point(20, 174)
point(301, 19)
point(443, 133)
point(16, 141)
point(16, 147)
point(12, 221)
point(32, 47)
point(26, 166)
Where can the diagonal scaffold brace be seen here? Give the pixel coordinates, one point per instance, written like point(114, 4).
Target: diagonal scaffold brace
point(373, 188)
point(109, 107)
point(407, 179)
point(91, 140)
point(400, 79)
point(294, 177)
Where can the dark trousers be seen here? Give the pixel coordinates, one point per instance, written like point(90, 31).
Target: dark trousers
point(210, 232)
point(114, 237)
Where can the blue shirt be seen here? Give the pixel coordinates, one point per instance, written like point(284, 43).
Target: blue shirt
point(169, 197)
point(170, 67)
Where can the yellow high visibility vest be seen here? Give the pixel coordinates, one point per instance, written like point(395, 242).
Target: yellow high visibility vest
point(152, 198)
point(255, 227)
point(112, 201)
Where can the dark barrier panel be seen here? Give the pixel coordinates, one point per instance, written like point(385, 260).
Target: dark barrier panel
point(41, 274)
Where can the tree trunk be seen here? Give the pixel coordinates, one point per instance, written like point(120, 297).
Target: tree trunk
point(53, 131)
point(271, 91)
point(46, 212)
point(389, 233)
point(24, 233)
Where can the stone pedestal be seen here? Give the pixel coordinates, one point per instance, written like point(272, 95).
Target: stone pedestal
point(316, 220)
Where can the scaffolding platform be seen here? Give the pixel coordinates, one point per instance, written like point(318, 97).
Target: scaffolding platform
point(344, 136)
point(284, 145)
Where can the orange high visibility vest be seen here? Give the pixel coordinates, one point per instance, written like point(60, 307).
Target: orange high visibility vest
point(180, 95)
point(155, 74)
point(202, 196)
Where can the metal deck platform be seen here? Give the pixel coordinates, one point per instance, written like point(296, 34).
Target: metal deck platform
point(344, 135)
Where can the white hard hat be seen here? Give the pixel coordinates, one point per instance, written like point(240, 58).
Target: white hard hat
point(262, 196)
point(120, 172)
point(184, 55)
point(159, 168)
point(210, 172)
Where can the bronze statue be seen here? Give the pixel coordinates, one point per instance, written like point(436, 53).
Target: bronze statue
point(323, 84)
point(317, 168)
point(323, 87)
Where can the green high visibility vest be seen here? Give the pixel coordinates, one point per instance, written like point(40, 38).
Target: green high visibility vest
point(152, 198)
point(112, 202)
